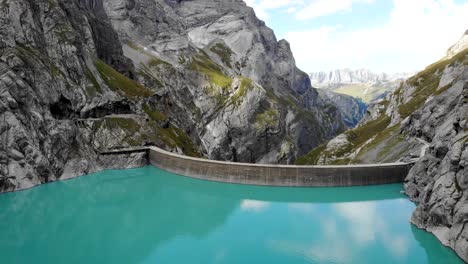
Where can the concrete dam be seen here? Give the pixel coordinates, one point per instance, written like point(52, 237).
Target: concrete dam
point(273, 175)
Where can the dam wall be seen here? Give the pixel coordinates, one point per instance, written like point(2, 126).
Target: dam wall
point(278, 175)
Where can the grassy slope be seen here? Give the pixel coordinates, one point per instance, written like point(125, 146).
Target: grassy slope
point(151, 131)
point(224, 53)
point(358, 91)
point(120, 83)
point(426, 83)
point(387, 138)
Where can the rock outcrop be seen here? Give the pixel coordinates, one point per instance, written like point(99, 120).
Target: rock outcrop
point(426, 120)
point(352, 109)
point(439, 180)
point(255, 105)
point(203, 78)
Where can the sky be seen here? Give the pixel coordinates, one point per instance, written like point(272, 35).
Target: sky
point(381, 35)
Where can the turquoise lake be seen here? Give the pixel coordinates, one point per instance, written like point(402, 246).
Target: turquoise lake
point(148, 215)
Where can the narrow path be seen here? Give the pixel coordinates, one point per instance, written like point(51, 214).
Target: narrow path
point(424, 148)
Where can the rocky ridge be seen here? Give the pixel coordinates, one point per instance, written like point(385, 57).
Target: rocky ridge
point(203, 78)
point(425, 119)
point(459, 46)
point(347, 76)
point(361, 83)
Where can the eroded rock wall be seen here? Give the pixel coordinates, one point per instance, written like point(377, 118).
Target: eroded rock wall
point(202, 78)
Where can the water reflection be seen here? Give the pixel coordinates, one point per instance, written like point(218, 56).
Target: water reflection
point(150, 216)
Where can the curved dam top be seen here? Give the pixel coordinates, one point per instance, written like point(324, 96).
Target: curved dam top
point(274, 175)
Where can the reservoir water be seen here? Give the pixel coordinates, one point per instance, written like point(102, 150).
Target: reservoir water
point(148, 215)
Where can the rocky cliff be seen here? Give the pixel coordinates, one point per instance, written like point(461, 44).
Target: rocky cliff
point(352, 109)
point(203, 78)
point(425, 119)
point(361, 83)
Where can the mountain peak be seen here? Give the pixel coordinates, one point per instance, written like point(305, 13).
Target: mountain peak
point(361, 83)
point(358, 76)
point(459, 46)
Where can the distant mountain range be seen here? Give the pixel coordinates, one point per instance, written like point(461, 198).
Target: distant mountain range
point(361, 83)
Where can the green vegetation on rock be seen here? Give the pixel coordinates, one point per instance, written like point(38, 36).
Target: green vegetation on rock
point(241, 92)
point(312, 157)
point(154, 68)
point(267, 119)
point(32, 55)
point(175, 137)
point(136, 134)
point(356, 90)
point(156, 115)
point(287, 101)
point(203, 64)
point(361, 134)
point(63, 32)
point(426, 83)
point(52, 3)
point(128, 124)
point(357, 137)
point(119, 82)
point(384, 142)
point(375, 137)
point(155, 62)
point(223, 52)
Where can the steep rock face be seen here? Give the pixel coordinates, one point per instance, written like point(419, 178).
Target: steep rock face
point(352, 109)
point(79, 77)
point(439, 180)
point(255, 105)
point(46, 84)
point(425, 119)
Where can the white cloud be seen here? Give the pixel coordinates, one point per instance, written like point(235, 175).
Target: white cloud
point(262, 7)
point(347, 231)
point(363, 217)
point(291, 10)
point(254, 205)
point(327, 7)
point(417, 34)
point(303, 9)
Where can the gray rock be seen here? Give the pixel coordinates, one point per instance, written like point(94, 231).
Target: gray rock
point(352, 109)
point(16, 155)
point(427, 123)
point(438, 181)
point(79, 77)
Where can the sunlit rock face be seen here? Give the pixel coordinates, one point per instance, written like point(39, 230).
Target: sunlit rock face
point(262, 108)
point(203, 78)
point(439, 180)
